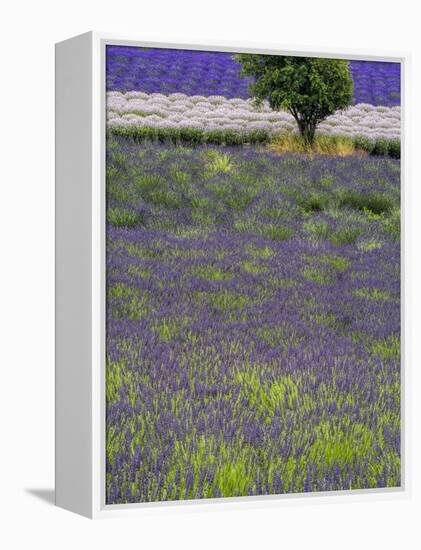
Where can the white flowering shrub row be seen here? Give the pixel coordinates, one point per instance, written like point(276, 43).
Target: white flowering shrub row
point(156, 110)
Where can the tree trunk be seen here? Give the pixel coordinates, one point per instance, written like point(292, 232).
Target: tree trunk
point(307, 131)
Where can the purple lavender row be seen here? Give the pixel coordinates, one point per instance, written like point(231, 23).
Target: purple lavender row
point(253, 319)
point(216, 73)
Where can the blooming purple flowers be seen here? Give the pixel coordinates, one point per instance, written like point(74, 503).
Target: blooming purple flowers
point(252, 323)
point(216, 73)
point(253, 298)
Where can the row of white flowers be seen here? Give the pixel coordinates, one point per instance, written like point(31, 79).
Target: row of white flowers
point(219, 113)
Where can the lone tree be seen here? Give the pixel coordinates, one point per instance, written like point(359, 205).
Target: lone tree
point(310, 88)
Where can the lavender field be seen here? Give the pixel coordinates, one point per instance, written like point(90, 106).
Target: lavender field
point(253, 294)
point(168, 90)
point(253, 323)
point(217, 73)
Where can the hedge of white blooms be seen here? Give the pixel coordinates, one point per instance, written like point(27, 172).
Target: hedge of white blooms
point(219, 113)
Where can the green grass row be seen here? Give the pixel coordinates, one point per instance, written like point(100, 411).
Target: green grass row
point(197, 136)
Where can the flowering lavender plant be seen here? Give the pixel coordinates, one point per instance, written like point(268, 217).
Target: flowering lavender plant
point(253, 297)
point(217, 73)
point(253, 322)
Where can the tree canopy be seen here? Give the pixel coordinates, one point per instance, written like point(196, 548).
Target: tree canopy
point(310, 88)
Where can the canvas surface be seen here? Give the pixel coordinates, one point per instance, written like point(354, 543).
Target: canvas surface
point(253, 278)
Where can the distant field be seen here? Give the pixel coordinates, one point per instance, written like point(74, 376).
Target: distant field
point(215, 73)
point(253, 318)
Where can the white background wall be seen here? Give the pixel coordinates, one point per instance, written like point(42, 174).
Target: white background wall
point(28, 32)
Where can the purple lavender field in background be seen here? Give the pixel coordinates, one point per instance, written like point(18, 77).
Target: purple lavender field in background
point(217, 73)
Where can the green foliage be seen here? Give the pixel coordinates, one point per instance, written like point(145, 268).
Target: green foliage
point(257, 252)
point(154, 188)
point(316, 228)
point(202, 216)
point(179, 176)
point(392, 224)
point(148, 183)
point(119, 193)
point(287, 142)
point(371, 294)
point(167, 329)
point(119, 160)
point(394, 149)
point(339, 263)
point(233, 196)
point(369, 244)
point(191, 136)
point(258, 136)
point(381, 147)
point(376, 203)
point(388, 348)
point(311, 89)
point(291, 142)
point(232, 137)
point(218, 163)
point(127, 302)
point(324, 269)
point(119, 217)
point(317, 275)
point(225, 302)
point(314, 201)
point(137, 271)
point(334, 445)
point(346, 235)
point(251, 267)
point(326, 181)
point(364, 143)
point(210, 273)
point(166, 198)
point(277, 232)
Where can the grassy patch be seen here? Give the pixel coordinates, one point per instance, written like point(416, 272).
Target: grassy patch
point(314, 201)
point(346, 235)
point(285, 143)
point(218, 163)
point(369, 244)
point(210, 273)
point(339, 263)
point(277, 232)
point(338, 446)
point(317, 275)
point(138, 271)
point(387, 348)
point(323, 269)
point(167, 329)
point(149, 183)
point(373, 203)
point(392, 224)
point(127, 302)
point(165, 198)
point(224, 301)
point(251, 267)
point(284, 336)
point(257, 252)
point(119, 217)
point(371, 294)
point(316, 228)
point(290, 142)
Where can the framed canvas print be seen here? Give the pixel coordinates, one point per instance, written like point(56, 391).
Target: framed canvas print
point(229, 274)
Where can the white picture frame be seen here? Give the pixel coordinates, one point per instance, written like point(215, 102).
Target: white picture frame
point(80, 278)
